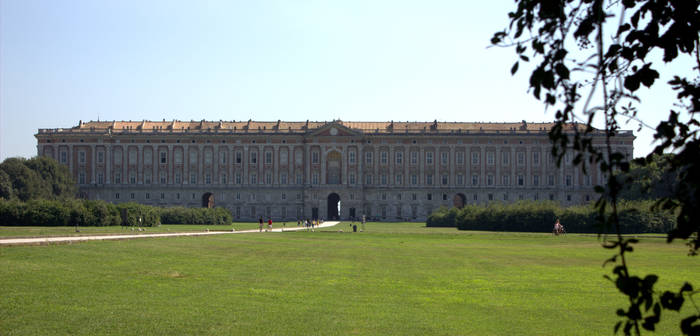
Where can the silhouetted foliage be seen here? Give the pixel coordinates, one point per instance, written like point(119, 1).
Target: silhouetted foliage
point(615, 57)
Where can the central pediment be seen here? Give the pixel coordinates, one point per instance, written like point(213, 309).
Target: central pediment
point(334, 128)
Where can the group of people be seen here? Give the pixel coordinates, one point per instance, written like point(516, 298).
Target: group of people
point(309, 224)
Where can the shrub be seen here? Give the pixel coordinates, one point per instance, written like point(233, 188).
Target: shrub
point(182, 215)
point(530, 216)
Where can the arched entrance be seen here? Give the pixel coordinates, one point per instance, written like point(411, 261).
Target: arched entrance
point(459, 201)
point(333, 205)
point(208, 200)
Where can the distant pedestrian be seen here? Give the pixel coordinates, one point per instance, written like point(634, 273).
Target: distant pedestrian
point(260, 221)
point(269, 224)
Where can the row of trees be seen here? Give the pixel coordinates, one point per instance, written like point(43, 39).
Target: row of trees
point(74, 212)
point(530, 216)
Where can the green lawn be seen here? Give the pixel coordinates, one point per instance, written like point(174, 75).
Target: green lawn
point(51, 231)
point(393, 279)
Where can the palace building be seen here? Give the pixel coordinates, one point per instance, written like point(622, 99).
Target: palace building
point(336, 169)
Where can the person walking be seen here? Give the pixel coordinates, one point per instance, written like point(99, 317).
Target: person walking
point(269, 224)
point(260, 222)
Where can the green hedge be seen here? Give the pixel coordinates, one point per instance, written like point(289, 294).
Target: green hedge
point(58, 213)
point(530, 216)
point(101, 213)
point(182, 215)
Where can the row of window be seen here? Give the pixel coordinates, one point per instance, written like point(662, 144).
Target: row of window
point(369, 179)
point(380, 197)
point(315, 158)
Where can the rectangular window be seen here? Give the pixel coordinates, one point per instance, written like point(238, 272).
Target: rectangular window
point(116, 196)
point(351, 157)
point(587, 180)
point(445, 179)
point(489, 179)
point(314, 157)
point(100, 178)
point(475, 179)
point(64, 158)
point(521, 180)
point(268, 178)
point(253, 178)
point(490, 197)
point(505, 180)
point(254, 157)
point(414, 158)
point(222, 157)
point(430, 197)
point(414, 179)
point(148, 195)
point(429, 158)
point(429, 179)
point(536, 180)
point(521, 158)
point(444, 158)
point(568, 180)
point(162, 195)
point(314, 178)
point(163, 157)
point(459, 158)
point(81, 178)
point(163, 178)
point(239, 157)
point(475, 158)
point(383, 179)
point(536, 158)
point(132, 195)
point(238, 178)
point(460, 179)
point(193, 178)
point(147, 178)
point(368, 179)
point(100, 157)
point(490, 158)
point(207, 178)
point(399, 179)
point(300, 179)
point(268, 158)
point(368, 158)
point(550, 180)
point(223, 179)
point(384, 157)
point(177, 178)
point(283, 178)
point(132, 178)
point(414, 197)
point(81, 157)
point(351, 178)
point(505, 158)
point(399, 158)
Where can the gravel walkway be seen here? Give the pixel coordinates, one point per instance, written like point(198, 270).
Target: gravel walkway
point(69, 239)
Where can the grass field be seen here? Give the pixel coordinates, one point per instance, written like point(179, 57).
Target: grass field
point(51, 231)
point(393, 279)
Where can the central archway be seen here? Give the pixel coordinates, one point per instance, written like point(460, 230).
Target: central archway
point(333, 202)
point(208, 200)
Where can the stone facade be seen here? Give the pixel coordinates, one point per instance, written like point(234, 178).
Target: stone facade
point(290, 170)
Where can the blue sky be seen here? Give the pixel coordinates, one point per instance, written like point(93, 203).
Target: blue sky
point(65, 61)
